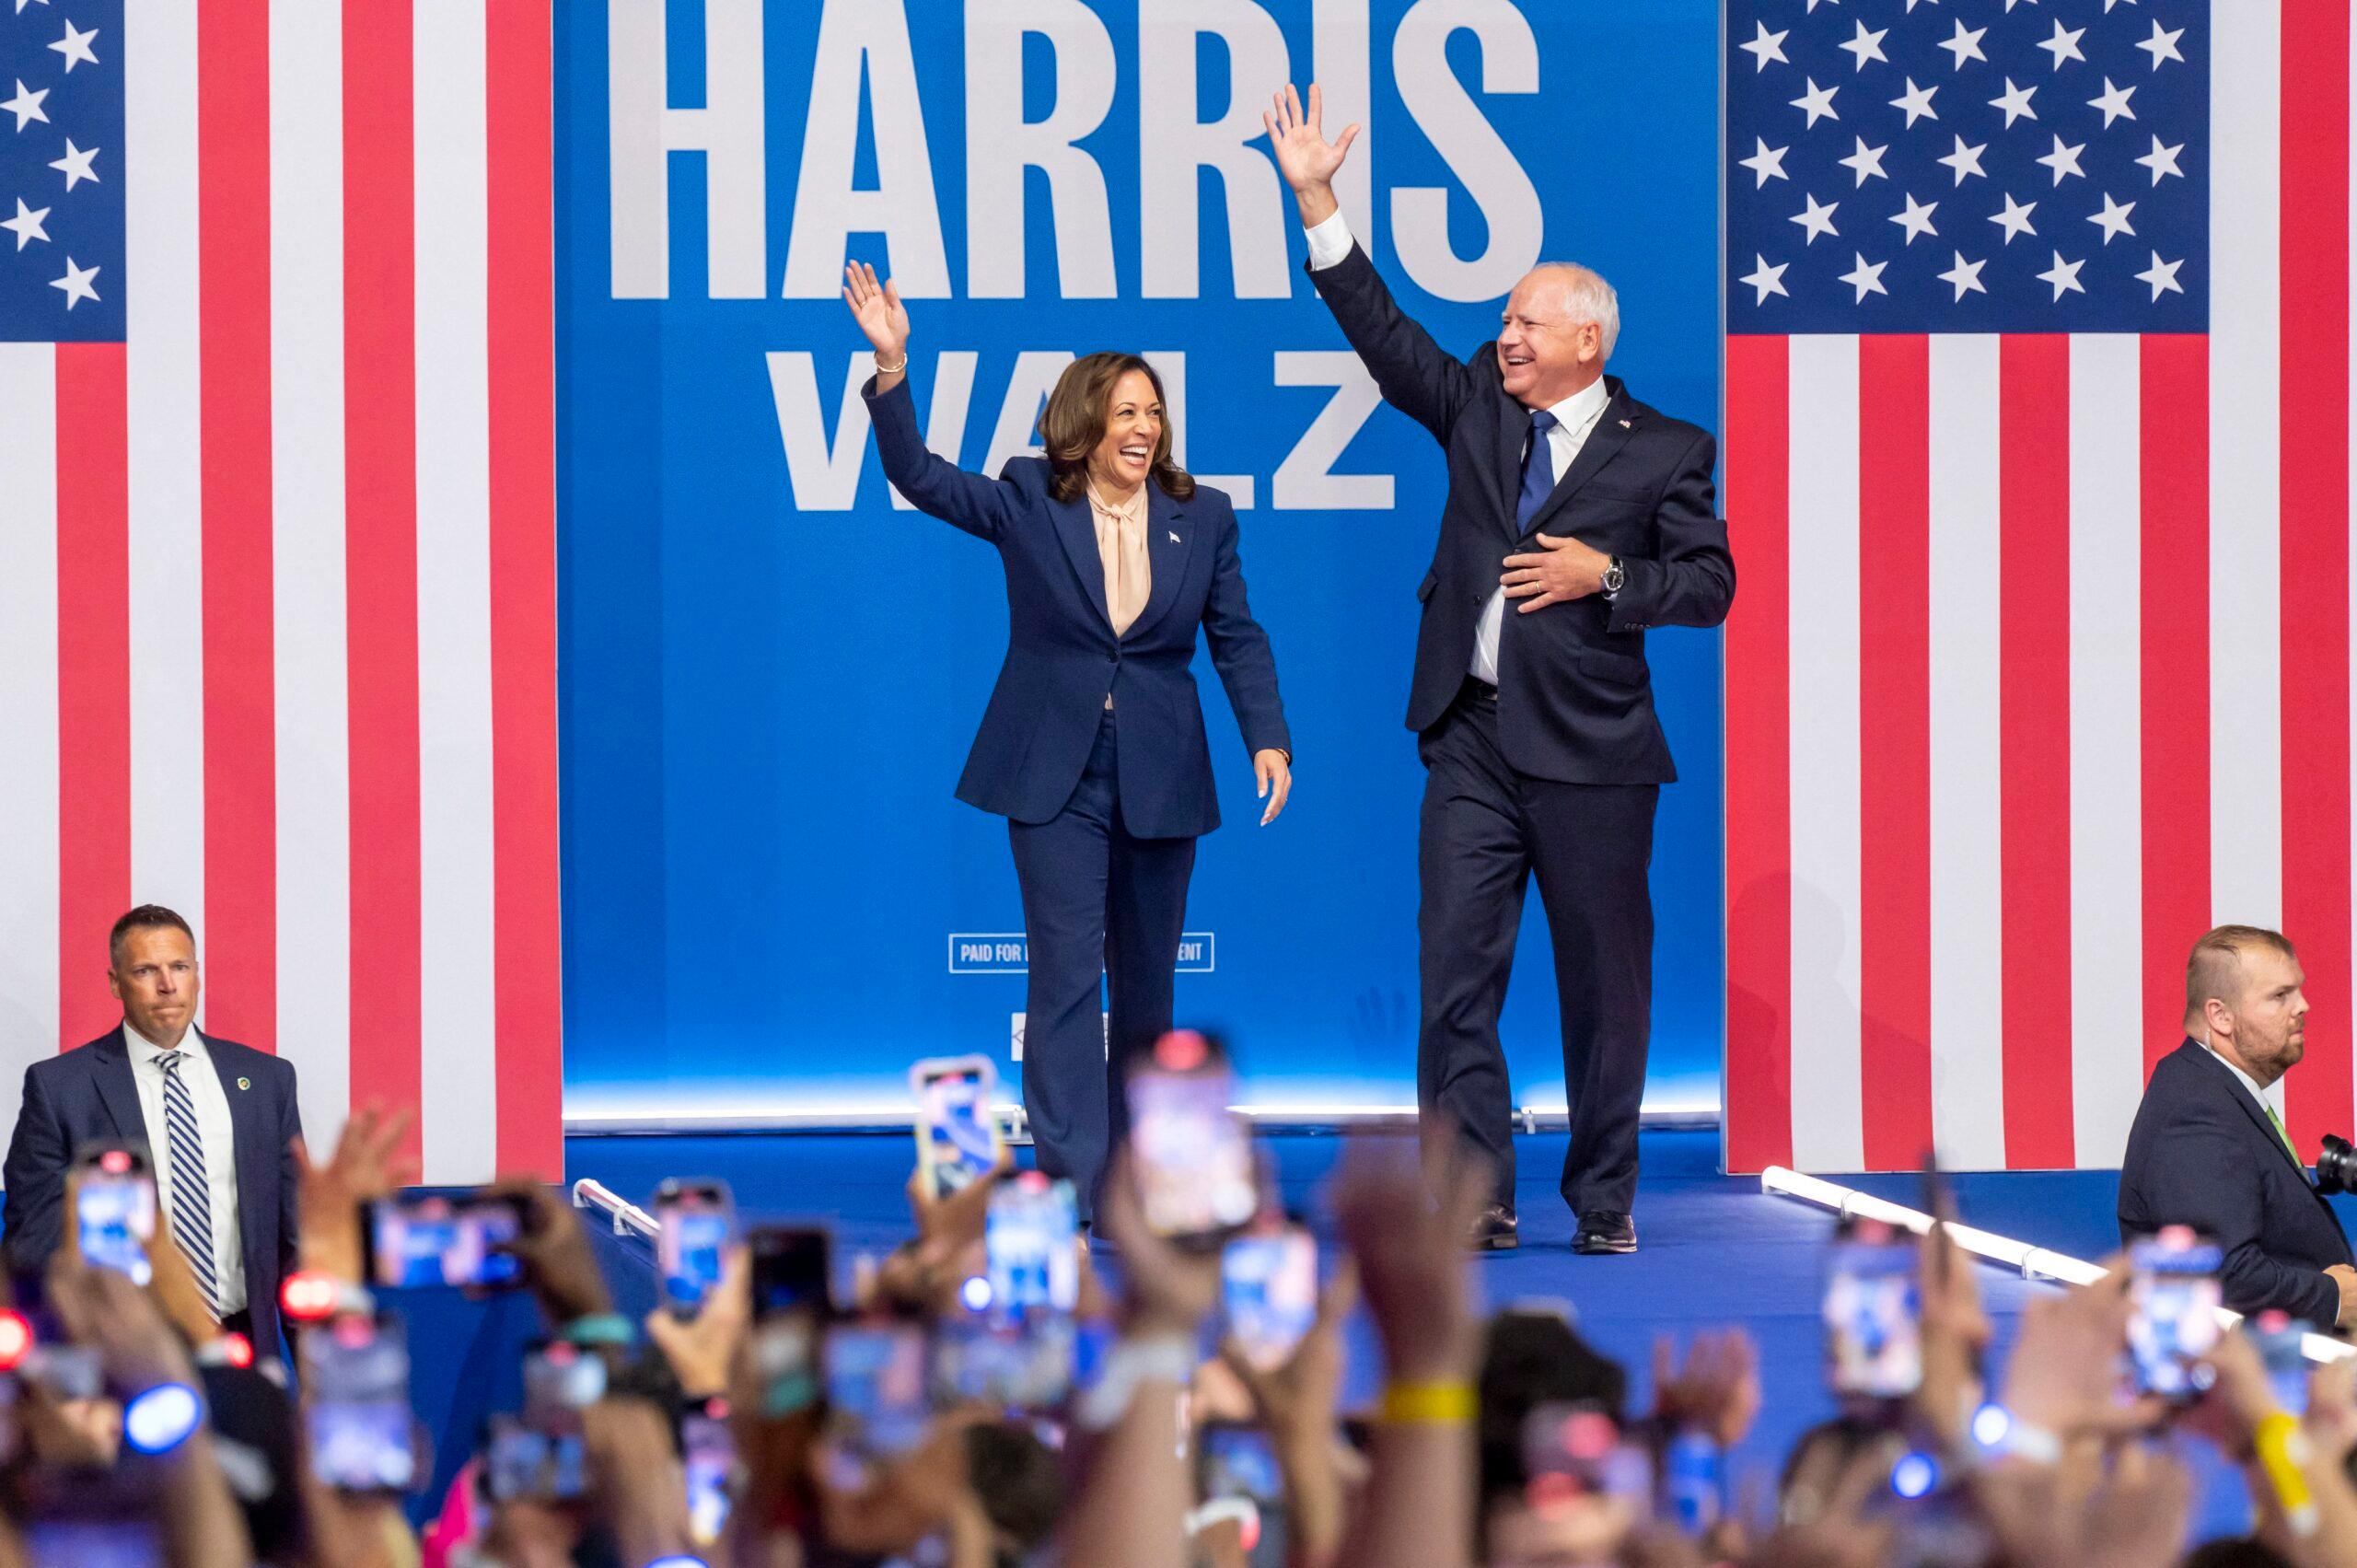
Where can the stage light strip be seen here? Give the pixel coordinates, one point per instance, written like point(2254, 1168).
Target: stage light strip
point(2031, 1262)
point(886, 1118)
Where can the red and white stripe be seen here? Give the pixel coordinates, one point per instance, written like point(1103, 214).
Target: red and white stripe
point(277, 578)
point(2042, 665)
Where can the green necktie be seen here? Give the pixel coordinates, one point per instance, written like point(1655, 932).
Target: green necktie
point(2279, 1131)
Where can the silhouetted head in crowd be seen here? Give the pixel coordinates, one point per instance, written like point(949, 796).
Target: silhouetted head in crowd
point(1532, 1357)
point(1019, 1482)
point(1819, 1459)
point(2237, 1551)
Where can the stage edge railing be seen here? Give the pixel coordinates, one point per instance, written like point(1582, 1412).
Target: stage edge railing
point(2031, 1262)
point(628, 1218)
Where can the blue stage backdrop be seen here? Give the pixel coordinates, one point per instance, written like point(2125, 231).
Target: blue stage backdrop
point(769, 673)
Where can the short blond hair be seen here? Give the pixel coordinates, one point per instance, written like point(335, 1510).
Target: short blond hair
point(2214, 967)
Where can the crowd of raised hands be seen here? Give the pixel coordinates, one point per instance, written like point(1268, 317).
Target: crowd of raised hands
point(1396, 1424)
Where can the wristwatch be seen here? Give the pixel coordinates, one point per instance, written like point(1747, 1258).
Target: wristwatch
point(1614, 577)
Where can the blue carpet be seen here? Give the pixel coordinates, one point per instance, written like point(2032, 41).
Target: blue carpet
point(1716, 1250)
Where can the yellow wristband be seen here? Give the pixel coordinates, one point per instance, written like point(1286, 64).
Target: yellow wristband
point(2281, 1450)
point(1428, 1404)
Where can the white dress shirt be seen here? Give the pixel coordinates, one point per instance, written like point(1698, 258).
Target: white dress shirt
point(219, 1135)
point(1575, 417)
point(2266, 1106)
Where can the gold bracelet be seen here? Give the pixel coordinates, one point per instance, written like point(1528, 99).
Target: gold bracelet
point(883, 370)
point(1428, 1404)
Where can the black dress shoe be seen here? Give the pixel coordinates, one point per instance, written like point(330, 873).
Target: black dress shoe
point(1603, 1231)
point(1494, 1231)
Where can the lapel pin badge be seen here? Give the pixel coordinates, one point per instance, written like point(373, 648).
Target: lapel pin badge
point(245, 1083)
point(1624, 424)
point(1174, 539)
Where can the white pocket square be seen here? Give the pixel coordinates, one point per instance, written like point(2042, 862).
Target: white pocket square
point(1174, 539)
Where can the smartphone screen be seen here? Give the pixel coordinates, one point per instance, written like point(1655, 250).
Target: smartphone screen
point(2281, 1340)
point(95, 1543)
point(708, 1454)
point(793, 1270)
point(524, 1463)
point(420, 1240)
point(2175, 1294)
point(1269, 1284)
point(876, 1386)
point(115, 1217)
point(958, 1138)
point(1241, 1461)
point(1873, 1315)
point(1022, 1364)
point(785, 1358)
point(1693, 1481)
point(1031, 1239)
point(1195, 1172)
point(696, 1222)
point(358, 1416)
point(561, 1380)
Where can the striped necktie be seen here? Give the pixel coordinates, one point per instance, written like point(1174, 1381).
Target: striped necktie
point(192, 1191)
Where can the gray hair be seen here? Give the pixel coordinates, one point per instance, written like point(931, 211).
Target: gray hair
point(1590, 299)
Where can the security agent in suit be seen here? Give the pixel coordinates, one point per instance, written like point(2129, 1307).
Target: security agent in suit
point(2207, 1149)
point(219, 1120)
point(1093, 745)
point(1576, 518)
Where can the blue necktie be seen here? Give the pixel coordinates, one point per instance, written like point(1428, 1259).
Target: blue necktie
point(192, 1193)
point(1538, 470)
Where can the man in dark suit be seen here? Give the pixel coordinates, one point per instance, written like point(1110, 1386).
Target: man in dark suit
point(219, 1119)
point(1576, 518)
point(2209, 1151)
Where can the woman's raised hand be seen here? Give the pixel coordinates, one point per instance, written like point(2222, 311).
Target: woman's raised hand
point(877, 309)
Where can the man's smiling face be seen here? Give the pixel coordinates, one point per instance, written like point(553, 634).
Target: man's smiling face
point(1543, 355)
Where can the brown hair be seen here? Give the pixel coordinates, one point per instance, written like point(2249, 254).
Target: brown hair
point(2214, 967)
point(1074, 421)
point(147, 917)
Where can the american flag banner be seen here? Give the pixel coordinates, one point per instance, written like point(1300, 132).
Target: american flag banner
point(277, 544)
point(2038, 439)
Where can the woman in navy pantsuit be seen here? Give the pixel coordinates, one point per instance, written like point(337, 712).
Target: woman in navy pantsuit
point(1093, 746)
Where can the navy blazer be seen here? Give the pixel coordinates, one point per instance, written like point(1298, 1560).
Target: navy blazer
point(1576, 699)
point(1062, 657)
point(2203, 1153)
point(88, 1095)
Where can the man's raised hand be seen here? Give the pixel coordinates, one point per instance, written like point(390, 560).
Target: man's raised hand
point(1304, 156)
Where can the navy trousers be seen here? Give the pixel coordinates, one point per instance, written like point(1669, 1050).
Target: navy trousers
point(1485, 828)
point(1102, 910)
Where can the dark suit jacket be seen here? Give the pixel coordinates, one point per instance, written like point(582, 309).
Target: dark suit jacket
point(1575, 697)
point(2203, 1153)
point(1062, 657)
point(88, 1095)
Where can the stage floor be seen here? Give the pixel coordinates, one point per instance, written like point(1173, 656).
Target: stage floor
point(1716, 1250)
